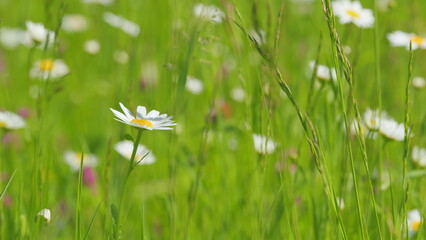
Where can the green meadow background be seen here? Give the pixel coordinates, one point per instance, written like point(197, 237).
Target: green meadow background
point(201, 187)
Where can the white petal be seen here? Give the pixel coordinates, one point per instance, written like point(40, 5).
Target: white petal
point(126, 111)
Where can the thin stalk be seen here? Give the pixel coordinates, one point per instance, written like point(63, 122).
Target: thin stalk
point(77, 235)
point(339, 55)
point(406, 141)
point(310, 132)
point(117, 226)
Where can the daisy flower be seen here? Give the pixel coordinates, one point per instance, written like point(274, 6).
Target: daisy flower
point(121, 23)
point(391, 129)
point(9, 120)
point(352, 12)
point(372, 118)
point(380, 122)
point(92, 46)
point(402, 39)
point(194, 85)
point(419, 156)
point(13, 37)
point(74, 23)
point(102, 2)
point(419, 82)
point(45, 213)
point(73, 160)
point(263, 145)
point(125, 149)
point(39, 34)
point(151, 121)
point(121, 56)
point(238, 94)
point(414, 220)
point(209, 12)
point(324, 73)
point(48, 68)
point(364, 130)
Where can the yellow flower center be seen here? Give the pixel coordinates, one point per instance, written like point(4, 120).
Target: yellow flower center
point(417, 39)
point(415, 226)
point(2, 124)
point(142, 122)
point(46, 65)
point(78, 157)
point(373, 122)
point(352, 13)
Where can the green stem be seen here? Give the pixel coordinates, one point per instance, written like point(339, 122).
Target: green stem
point(117, 227)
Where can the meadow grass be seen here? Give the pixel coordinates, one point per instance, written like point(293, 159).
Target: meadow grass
point(208, 181)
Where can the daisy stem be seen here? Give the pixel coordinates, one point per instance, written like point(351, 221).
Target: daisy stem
point(135, 149)
point(117, 226)
point(406, 142)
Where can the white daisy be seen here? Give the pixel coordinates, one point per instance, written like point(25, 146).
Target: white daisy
point(347, 50)
point(92, 46)
point(9, 120)
point(324, 73)
point(209, 12)
point(391, 129)
point(419, 82)
point(121, 57)
point(385, 5)
point(352, 12)
point(125, 149)
point(74, 23)
point(402, 39)
point(372, 118)
point(122, 23)
point(39, 34)
point(48, 68)
point(364, 130)
point(419, 156)
point(13, 37)
point(151, 121)
point(414, 220)
point(73, 160)
point(45, 213)
point(150, 73)
point(263, 145)
point(194, 85)
point(102, 2)
point(380, 122)
point(238, 94)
